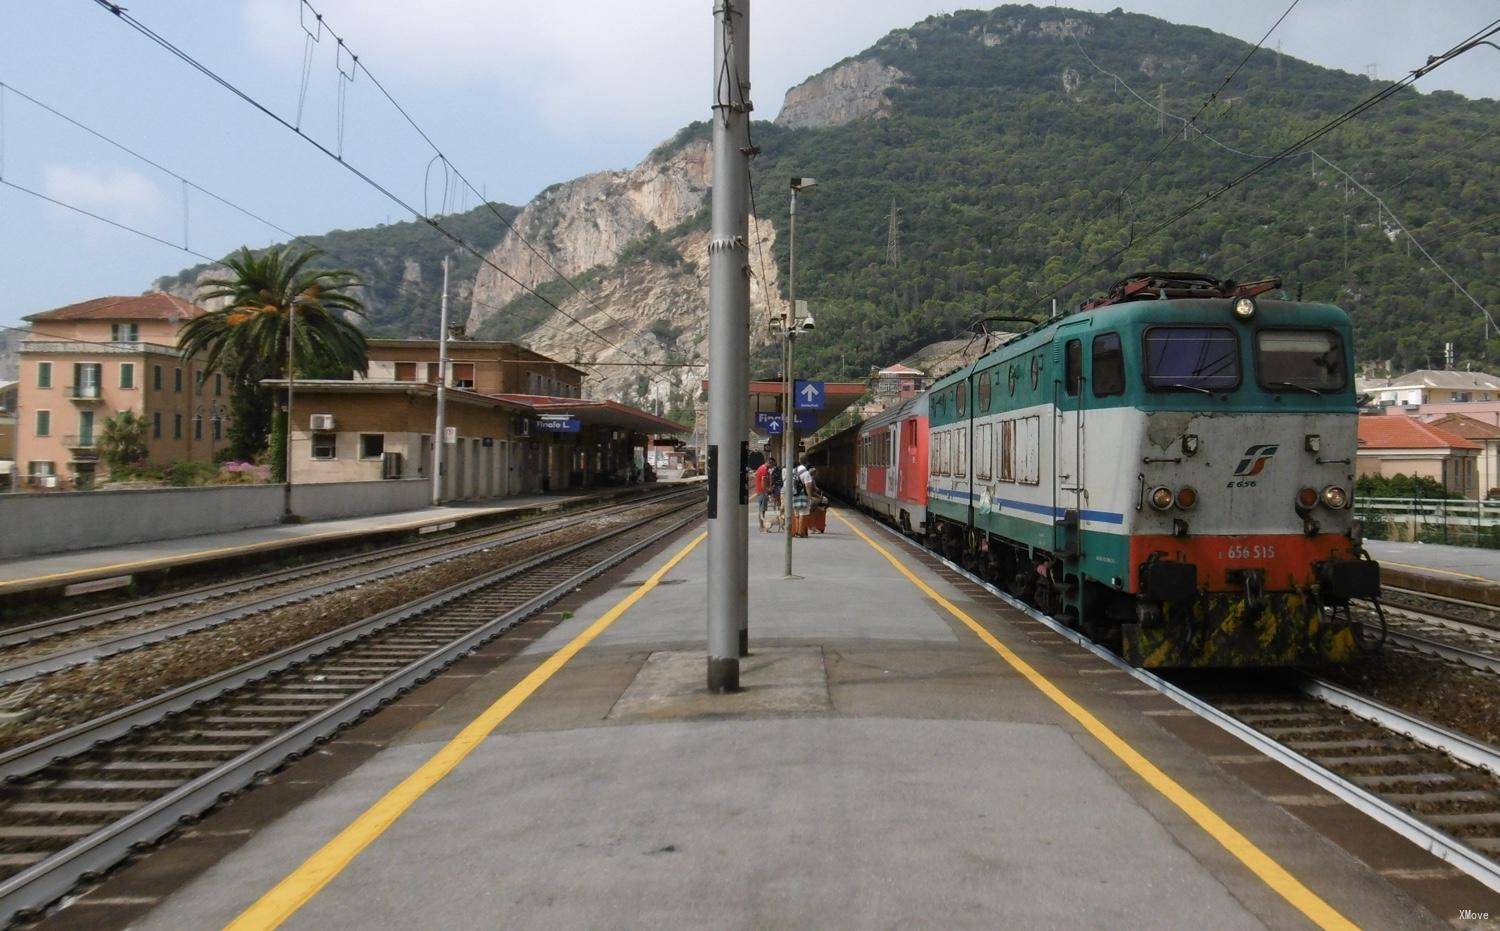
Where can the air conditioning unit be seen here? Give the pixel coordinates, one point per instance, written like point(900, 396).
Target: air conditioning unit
point(391, 466)
point(321, 422)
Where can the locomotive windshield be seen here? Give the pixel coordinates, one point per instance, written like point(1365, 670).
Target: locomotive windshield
point(1299, 360)
point(1192, 358)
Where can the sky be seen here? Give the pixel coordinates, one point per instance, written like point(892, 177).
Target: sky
point(518, 95)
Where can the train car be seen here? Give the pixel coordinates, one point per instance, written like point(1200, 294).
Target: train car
point(1170, 469)
point(892, 457)
point(832, 461)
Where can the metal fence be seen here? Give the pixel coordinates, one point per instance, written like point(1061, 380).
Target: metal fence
point(1456, 521)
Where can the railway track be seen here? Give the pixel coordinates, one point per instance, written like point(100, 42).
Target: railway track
point(78, 801)
point(1433, 786)
point(60, 643)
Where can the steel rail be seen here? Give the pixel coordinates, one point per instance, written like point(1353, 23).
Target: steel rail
point(36, 631)
point(1460, 855)
point(48, 880)
point(1427, 733)
point(1448, 651)
point(64, 659)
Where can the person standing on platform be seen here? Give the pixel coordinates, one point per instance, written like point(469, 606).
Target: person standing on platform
point(802, 486)
point(763, 487)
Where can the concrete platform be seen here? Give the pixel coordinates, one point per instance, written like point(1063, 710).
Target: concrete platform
point(1466, 572)
point(54, 570)
point(885, 766)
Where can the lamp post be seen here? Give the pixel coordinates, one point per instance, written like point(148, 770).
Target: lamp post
point(790, 327)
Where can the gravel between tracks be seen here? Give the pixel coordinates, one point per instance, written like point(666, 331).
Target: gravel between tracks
point(1457, 697)
point(72, 696)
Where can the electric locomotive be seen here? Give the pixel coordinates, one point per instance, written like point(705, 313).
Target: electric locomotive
point(1170, 469)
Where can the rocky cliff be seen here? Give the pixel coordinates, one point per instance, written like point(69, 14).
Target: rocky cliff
point(844, 93)
point(587, 222)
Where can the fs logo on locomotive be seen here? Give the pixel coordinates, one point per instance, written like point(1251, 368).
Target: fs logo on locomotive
point(1256, 459)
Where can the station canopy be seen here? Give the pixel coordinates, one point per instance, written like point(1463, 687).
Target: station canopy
point(597, 412)
point(765, 397)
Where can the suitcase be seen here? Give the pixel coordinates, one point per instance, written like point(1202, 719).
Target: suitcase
point(817, 521)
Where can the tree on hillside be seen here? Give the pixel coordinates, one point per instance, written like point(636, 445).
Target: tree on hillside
point(248, 339)
point(122, 443)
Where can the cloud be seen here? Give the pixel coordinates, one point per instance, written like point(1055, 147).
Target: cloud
point(111, 191)
point(584, 66)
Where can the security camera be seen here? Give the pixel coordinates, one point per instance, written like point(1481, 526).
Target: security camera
point(807, 323)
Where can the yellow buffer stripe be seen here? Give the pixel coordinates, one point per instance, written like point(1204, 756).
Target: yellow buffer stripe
point(1270, 872)
point(282, 901)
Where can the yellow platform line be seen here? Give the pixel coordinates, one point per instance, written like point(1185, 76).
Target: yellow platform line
point(283, 900)
point(1454, 572)
point(1268, 870)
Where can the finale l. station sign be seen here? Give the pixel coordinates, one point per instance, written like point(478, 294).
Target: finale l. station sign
point(558, 423)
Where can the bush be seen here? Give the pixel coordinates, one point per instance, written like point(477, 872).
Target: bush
point(184, 473)
point(1401, 486)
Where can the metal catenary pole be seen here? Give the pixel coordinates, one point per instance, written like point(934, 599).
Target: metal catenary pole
point(437, 435)
point(728, 349)
point(291, 375)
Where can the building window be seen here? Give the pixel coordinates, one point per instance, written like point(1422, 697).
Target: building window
point(127, 374)
point(406, 371)
point(43, 423)
point(198, 378)
point(198, 427)
point(124, 332)
point(463, 374)
point(44, 374)
point(218, 384)
point(325, 446)
point(39, 469)
point(156, 377)
point(432, 373)
point(218, 427)
point(156, 420)
point(371, 445)
point(177, 380)
point(176, 426)
point(87, 377)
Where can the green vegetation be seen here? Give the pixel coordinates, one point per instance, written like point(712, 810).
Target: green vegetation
point(122, 443)
point(1401, 486)
point(1004, 180)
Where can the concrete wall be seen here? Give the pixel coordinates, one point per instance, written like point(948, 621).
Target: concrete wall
point(355, 499)
point(32, 524)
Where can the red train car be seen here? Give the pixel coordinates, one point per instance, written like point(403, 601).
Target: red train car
point(891, 472)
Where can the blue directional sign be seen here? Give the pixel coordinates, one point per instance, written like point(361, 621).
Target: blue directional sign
point(807, 395)
point(558, 423)
point(773, 426)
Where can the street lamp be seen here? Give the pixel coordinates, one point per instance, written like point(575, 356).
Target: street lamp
point(790, 326)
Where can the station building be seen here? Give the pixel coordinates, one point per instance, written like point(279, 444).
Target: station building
point(504, 437)
point(85, 362)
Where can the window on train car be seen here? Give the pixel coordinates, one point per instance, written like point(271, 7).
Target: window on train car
point(1073, 367)
point(1192, 358)
point(960, 398)
point(1007, 451)
point(1109, 365)
point(1013, 377)
point(1299, 360)
point(985, 385)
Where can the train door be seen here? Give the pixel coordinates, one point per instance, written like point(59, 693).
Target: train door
point(1069, 438)
point(893, 465)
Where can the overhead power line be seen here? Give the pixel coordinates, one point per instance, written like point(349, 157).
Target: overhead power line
point(122, 15)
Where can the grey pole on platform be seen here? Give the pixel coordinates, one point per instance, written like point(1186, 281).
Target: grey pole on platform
point(437, 436)
point(790, 325)
point(729, 349)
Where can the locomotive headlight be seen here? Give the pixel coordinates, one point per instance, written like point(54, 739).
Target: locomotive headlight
point(1244, 308)
point(1335, 497)
point(1161, 497)
point(1307, 499)
point(1186, 498)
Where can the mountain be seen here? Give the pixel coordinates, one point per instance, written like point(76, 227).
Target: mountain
point(1002, 140)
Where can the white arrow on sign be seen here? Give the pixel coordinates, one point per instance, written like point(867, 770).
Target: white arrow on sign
point(809, 393)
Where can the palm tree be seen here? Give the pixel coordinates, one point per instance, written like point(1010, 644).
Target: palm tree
point(269, 295)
